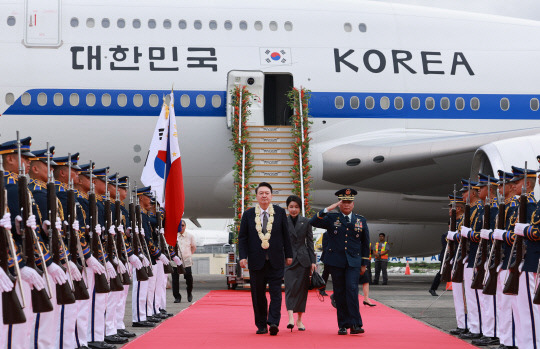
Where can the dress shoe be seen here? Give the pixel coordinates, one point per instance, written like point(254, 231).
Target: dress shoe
point(290, 326)
point(189, 297)
point(163, 311)
point(369, 304)
point(115, 339)
point(178, 300)
point(484, 341)
point(433, 293)
point(470, 335)
point(101, 345)
point(83, 347)
point(143, 324)
point(322, 292)
point(333, 301)
point(125, 333)
point(342, 331)
point(502, 346)
point(152, 319)
point(385, 283)
point(160, 316)
point(459, 331)
point(274, 329)
point(263, 330)
point(357, 329)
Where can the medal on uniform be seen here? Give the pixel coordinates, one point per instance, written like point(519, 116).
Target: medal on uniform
point(337, 223)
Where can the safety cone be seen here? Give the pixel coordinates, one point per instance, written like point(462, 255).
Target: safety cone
point(449, 286)
point(407, 269)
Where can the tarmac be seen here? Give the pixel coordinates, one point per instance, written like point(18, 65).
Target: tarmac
point(406, 293)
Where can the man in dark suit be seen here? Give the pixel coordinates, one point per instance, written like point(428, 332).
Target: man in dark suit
point(346, 256)
point(264, 241)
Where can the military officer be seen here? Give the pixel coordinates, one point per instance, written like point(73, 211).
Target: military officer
point(346, 254)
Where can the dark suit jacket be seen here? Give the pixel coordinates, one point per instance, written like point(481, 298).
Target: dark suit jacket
point(249, 243)
point(301, 236)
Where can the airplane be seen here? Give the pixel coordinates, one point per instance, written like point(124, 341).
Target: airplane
point(406, 100)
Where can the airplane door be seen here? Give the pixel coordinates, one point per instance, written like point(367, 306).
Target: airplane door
point(254, 82)
point(42, 23)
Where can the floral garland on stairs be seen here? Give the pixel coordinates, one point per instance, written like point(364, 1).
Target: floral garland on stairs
point(237, 147)
point(295, 96)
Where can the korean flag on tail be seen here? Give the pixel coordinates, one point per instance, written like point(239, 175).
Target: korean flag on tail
point(275, 56)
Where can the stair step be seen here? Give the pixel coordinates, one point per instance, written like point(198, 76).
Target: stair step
point(277, 185)
point(271, 140)
point(274, 145)
point(273, 162)
point(277, 128)
point(281, 157)
point(286, 178)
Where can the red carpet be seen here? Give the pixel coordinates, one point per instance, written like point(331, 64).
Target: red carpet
point(224, 319)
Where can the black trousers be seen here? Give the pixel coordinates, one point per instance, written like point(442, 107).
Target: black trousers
point(381, 266)
point(258, 279)
point(345, 281)
point(325, 275)
point(436, 281)
point(188, 276)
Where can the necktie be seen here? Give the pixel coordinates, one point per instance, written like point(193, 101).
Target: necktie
point(264, 222)
point(347, 219)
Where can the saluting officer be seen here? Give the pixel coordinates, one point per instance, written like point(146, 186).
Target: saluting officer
point(346, 255)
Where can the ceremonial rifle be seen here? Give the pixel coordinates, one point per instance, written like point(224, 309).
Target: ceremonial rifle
point(495, 254)
point(167, 268)
point(101, 284)
point(116, 282)
point(41, 300)
point(481, 252)
point(122, 256)
point(144, 246)
point(142, 274)
point(12, 311)
point(511, 286)
point(446, 266)
point(461, 252)
point(536, 299)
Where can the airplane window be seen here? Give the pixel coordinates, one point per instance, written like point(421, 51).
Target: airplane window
point(354, 102)
point(288, 26)
point(74, 22)
point(398, 103)
point(167, 24)
point(347, 27)
point(505, 104)
point(182, 24)
point(228, 25)
point(121, 23)
point(137, 100)
point(11, 21)
point(136, 23)
point(430, 103)
point(353, 162)
point(243, 25)
point(106, 99)
point(90, 23)
point(460, 103)
point(362, 27)
point(74, 99)
point(121, 100)
point(273, 26)
point(475, 103)
point(42, 99)
point(105, 23)
point(378, 159)
point(10, 98)
point(415, 103)
point(90, 100)
point(200, 101)
point(153, 100)
point(370, 102)
point(26, 99)
point(184, 101)
point(197, 25)
point(385, 102)
point(534, 104)
point(58, 99)
point(216, 101)
point(258, 25)
point(152, 24)
point(339, 102)
point(445, 103)
point(213, 25)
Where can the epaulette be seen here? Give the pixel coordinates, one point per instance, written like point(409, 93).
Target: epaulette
point(151, 214)
point(530, 197)
point(123, 204)
point(61, 187)
point(513, 203)
point(494, 203)
point(99, 197)
point(82, 195)
point(11, 177)
point(144, 211)
point(36, 184)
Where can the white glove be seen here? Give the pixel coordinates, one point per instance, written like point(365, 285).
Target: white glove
point(112, 230)
point(121, 228)
point(135, 262)
point(75, 225)
point(498, 234)
point(465, 231)
point(142, 231)
point(75, 273)
point(136, 230)
point(5, 282)
point(58, 224)
point(520, 228)
point(121, 268)
point(145, 261)
point(5, 222)
point(98, 229)
point(110, 270)
point(32, 278)
point(177, 260)
point(57, 274)
point(93, 263)
point(31, 222)
point(484, 233)
point(45, 225)
point(163, 259)
point(162, 231)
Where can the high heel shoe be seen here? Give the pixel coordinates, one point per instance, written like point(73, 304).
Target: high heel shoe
point(369, 304)
point(291, 326)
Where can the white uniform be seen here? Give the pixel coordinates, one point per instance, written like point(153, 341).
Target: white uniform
point(138, 298)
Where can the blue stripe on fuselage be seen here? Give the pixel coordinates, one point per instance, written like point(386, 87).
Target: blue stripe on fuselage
point(322, 105)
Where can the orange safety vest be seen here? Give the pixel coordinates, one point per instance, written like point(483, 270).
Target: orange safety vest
point(382, 250)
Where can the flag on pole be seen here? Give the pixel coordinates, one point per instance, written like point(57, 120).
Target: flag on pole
point(174, 182)
point(153, 173)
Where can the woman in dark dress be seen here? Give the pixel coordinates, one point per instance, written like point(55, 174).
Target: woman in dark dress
point(297, 274)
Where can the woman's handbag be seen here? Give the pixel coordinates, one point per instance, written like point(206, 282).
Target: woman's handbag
point(181, 269)
point(317, 281)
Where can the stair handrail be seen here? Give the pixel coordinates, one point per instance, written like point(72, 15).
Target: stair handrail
point(300, 151)
point(243, 148)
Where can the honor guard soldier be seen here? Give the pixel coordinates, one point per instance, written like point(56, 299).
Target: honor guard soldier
point(346, 254)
